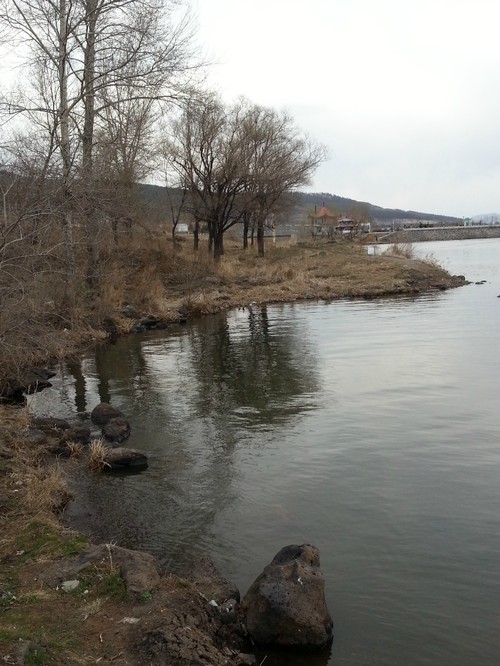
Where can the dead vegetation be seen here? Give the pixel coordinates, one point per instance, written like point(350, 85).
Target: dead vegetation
point(151, 275)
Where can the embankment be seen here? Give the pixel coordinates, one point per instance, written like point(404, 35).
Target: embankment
point(440, 234)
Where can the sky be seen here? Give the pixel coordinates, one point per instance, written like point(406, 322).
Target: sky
point(404, 94)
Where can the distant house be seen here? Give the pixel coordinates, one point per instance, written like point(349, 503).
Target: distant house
point(324, 223)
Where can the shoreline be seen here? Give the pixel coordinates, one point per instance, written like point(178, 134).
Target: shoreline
point(34, 489)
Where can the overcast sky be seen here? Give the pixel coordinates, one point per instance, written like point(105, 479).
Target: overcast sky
point(405, 94)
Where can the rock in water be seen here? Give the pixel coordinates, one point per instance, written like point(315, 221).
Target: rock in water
point(286, 604)
point(122, 458)
point(117, 429)
point(103, 412)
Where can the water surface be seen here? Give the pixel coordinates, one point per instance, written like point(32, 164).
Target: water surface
point(371, 429)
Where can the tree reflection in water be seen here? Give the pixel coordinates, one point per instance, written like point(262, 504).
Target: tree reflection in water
point(193, 397)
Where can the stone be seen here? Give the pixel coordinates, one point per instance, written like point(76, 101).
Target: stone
point(36, 437)
point(34, 379)
point(51, 424)
point(69, 585)
point(150, 322)
point(130, 312)
point(123, 458)
point(286, 606)
point(117, 429)
point(103, 412)
point(77, 433)
point(244, 659)
point(140, 571)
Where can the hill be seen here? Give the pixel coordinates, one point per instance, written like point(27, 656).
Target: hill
point(376, 213)
point(304, 202)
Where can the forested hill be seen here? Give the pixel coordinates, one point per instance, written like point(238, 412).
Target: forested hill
point(306, 201)
point(336, 203)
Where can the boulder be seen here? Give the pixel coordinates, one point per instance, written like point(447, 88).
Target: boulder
point(139, 570)
point(32, 380)
point(150, 322)
point(286, 606)
point(103, 412)
point(36, 437)
point(122, 458)
point(117, 429)
point(77, 433)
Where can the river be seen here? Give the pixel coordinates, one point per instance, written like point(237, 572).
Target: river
point(370, 429)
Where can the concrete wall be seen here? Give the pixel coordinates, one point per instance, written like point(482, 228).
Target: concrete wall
point(439, 233)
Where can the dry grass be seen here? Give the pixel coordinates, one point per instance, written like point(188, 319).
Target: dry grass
point(46, 490)
point(75, 449)
point(154, 278)
point(432, 260)
point(405, 250)
point(97, 455)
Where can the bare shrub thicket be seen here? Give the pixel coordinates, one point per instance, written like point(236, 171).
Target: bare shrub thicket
point(32, 279)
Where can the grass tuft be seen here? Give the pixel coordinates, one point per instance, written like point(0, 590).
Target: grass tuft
point(97, 455)
point(405, 250)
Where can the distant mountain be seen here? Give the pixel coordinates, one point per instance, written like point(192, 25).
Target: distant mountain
point(488, 218)
point(375, 212)
point(304, 203)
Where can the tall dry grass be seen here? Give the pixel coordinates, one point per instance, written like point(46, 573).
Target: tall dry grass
point(97, 455)
point(405, 250)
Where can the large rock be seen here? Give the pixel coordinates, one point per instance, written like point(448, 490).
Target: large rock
point(122, 458)
point(36, 437)
point(103, 412)
point(116, 430)
point(78, 433)
point(286, 604)
point(139, 570)
point(34, 379)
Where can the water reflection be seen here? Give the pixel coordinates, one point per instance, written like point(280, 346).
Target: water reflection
point(74, 368)
point(247, 368)
point(368, 428)
point(191, 397)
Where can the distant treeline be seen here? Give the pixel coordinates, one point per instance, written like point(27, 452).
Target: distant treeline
point(376, 212)
point(157, 198)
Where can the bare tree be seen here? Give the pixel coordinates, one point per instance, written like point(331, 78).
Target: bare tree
point(85, 50)
point(239, 162)
point(280, 159)
point(206, 151)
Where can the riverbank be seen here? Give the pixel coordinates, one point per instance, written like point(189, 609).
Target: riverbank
point(152, 284)
point(80, 627)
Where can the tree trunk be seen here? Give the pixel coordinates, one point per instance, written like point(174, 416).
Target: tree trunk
point(65, 146)
point(91, 226)
point(196, 236)
point(210, 239)
point(260, 238)
point(218, 243)
point(246, 224)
